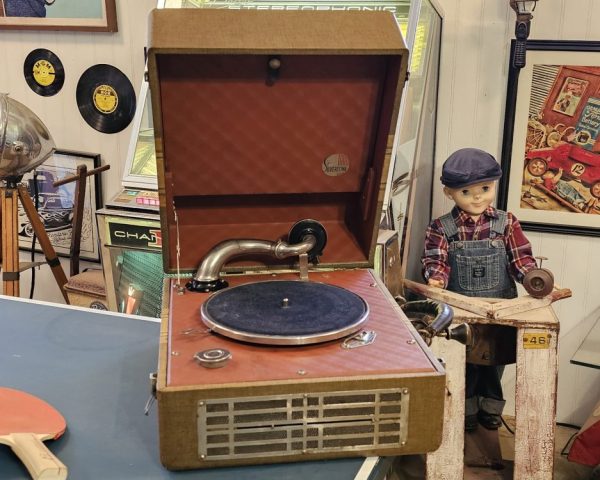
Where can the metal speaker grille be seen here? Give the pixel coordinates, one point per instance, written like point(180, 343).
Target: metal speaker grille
point(302, 423)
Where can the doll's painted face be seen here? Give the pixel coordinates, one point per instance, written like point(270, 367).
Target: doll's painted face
point(473, 199)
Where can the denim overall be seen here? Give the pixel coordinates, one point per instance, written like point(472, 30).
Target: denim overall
point(479, 268)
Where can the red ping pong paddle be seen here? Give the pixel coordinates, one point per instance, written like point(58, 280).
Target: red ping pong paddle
point(25, 422)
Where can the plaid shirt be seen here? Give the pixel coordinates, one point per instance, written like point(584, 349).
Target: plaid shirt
point(435, 256)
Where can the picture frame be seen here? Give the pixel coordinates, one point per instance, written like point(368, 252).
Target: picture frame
point(551, 145)
point(77, 15)
point(55, 204)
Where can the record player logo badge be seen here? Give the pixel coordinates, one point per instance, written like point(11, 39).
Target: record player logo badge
point(336, 165)
point(105, 99)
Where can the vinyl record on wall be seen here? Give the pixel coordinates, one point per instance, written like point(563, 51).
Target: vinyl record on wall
point(105, 98)
point(44, 72)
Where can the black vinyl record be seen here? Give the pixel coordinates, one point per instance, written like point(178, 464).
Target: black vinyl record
point(44, 72)
point(105, 98)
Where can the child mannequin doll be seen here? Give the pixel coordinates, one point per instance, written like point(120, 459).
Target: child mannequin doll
point(478, 251)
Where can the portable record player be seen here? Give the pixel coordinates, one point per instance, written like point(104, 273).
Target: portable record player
point(273, 138)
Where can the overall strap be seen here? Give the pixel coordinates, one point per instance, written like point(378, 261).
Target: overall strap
point(449, 225)
point(499, 224)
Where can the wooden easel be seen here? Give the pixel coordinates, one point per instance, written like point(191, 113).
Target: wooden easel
point(535, 390)
point(11, 193)
point(78, 203)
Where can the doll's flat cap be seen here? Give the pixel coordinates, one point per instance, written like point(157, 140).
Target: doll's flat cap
point(468, 166)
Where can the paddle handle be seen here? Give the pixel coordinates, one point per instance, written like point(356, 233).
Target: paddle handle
point(40, 461)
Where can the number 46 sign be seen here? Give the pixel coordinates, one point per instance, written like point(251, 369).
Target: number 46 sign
point(536, 340)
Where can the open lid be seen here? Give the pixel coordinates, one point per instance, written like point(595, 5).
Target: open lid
point(265, 118)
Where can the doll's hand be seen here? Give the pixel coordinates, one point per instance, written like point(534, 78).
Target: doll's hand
point(432, 282)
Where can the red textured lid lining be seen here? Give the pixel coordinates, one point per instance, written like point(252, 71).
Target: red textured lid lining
point(243, 159)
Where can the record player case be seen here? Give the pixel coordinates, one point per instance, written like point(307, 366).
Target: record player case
point(262, 119)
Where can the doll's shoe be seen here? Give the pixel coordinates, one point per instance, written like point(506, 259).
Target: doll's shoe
point(489, 421)
point(471, 423)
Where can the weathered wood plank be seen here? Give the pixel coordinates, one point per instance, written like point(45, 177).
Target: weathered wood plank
point(489, 307)
point(536, 399)
point(446, 463)
point(467, 317)
point(524, 304)
point(471, 304)
point(10, 242)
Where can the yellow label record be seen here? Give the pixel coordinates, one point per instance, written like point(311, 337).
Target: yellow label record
point(43, 72)
point(106, 99)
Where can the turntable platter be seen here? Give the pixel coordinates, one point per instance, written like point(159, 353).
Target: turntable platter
point(285, 312)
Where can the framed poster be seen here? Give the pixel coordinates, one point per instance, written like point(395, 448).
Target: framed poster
point(551, 144)
point(55, 204)
point(84, 15)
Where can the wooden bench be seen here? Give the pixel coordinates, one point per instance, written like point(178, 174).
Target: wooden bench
point(536, 379)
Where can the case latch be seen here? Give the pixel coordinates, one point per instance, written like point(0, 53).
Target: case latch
point(153, 376)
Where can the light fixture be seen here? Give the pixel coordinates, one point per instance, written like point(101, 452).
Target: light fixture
point(523, 9)
point(25, 143)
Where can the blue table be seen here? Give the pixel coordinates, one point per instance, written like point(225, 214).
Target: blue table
point(93, 367)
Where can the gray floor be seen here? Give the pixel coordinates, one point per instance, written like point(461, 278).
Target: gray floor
point(563, 469)
point(411, 468)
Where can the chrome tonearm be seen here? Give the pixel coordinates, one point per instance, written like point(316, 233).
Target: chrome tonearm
point(306, 236)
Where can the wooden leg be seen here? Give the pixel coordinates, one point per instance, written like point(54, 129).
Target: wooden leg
point(447, 461)
point(78, 204)
point(10, 242)
point(47, 248)
point(536, 403)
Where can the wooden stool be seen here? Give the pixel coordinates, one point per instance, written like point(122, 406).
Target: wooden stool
point(537, 363)
point(87, 289)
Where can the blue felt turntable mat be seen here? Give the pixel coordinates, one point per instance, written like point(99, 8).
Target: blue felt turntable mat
point(286, 308)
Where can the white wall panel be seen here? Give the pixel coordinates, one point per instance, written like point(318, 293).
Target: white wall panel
point(444, 131)
point(593, 19)
point(489, 113)
point(573, 26)
point(548, 21)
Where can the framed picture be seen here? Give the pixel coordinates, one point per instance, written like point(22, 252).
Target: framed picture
point(55, 204)
point(84, 15)
point(551, 144)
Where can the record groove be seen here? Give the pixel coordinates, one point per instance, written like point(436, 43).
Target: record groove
point(105, 98)
point(44, 72)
